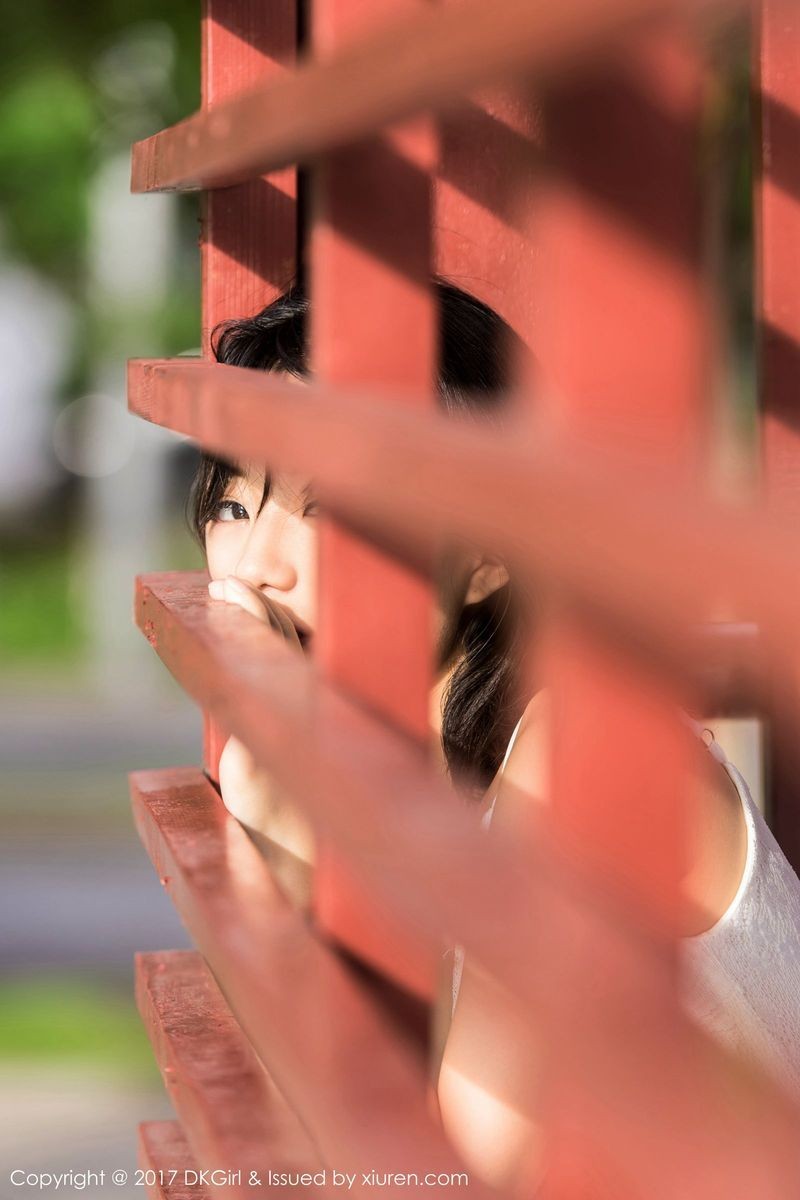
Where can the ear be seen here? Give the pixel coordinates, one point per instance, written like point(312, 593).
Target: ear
point(486, 576)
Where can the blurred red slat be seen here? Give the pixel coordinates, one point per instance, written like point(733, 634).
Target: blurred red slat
point(422, 63)
point(373, 319)
point(521, 493)
point(632, 371)
point(718, 1124)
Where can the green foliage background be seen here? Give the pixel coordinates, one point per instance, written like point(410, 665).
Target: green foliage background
point(55, 123)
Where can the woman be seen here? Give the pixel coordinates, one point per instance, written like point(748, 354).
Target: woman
point(260, 542)
point(259, 537)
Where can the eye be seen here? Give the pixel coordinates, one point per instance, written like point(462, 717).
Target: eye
point(311, 509)
point(229, 510)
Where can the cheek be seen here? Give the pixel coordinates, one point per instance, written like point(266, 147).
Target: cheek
point(224, 543)
point(307, 568)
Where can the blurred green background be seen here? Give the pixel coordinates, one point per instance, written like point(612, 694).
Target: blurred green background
point(88, 277)
point(79, 84)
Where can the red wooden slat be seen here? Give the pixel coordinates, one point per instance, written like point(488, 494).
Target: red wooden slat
point(373, 323)
point(208, 646)
point(600, 1043)
point(163, 1150)
point(537, 496)
point(776, 60)
point(358, 1085)
point(248, 243)
point(233, 1116)
point(373, 319)
point(421, 855)
point(248, 238)
point(418, 64)
point(481, 242)
point(718, 1125)
point(630, 369)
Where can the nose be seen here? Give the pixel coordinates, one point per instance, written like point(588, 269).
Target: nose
point(265, 561)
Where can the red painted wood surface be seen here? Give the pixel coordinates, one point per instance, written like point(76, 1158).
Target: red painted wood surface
point(422, 857)
point(163, 1149)
point(356, 1079)
point(421, 62)
point(523, 494)
point(373, 320)
point(481, 241)
point(229, 664)
point(234, 1118)
point(709, 1123)
point(248, 235)
point(587, 947)
point(627, 344)
point(776, 63)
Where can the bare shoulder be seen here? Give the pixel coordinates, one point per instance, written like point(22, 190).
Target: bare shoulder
point(716, 834)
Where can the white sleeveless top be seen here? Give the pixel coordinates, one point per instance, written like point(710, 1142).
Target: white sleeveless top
point(740, 978)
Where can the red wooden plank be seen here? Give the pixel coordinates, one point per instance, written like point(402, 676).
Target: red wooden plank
point(208, 646)
point(542, 498)
point(355, 1080)
point(165, 1157)
point(233, 1116)
point(421, 63)
point(248, 239)
point(490, 152)
point(718, 1124)
point(634, 371)
point(631, 371)
point(420, 855)
point(776, 61)
point(373, 319)
point(248, 234)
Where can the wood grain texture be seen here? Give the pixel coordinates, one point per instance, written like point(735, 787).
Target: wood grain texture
point(230, 667)
point(358, 1083)
point(164, 1150)
point(234, 1118)
point(248, 233)
point(248, 240)
point(373, 319)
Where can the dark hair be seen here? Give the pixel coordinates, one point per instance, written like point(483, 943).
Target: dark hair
point(482, 703)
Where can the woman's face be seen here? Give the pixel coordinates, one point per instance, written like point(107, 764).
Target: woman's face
point(273, 547)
